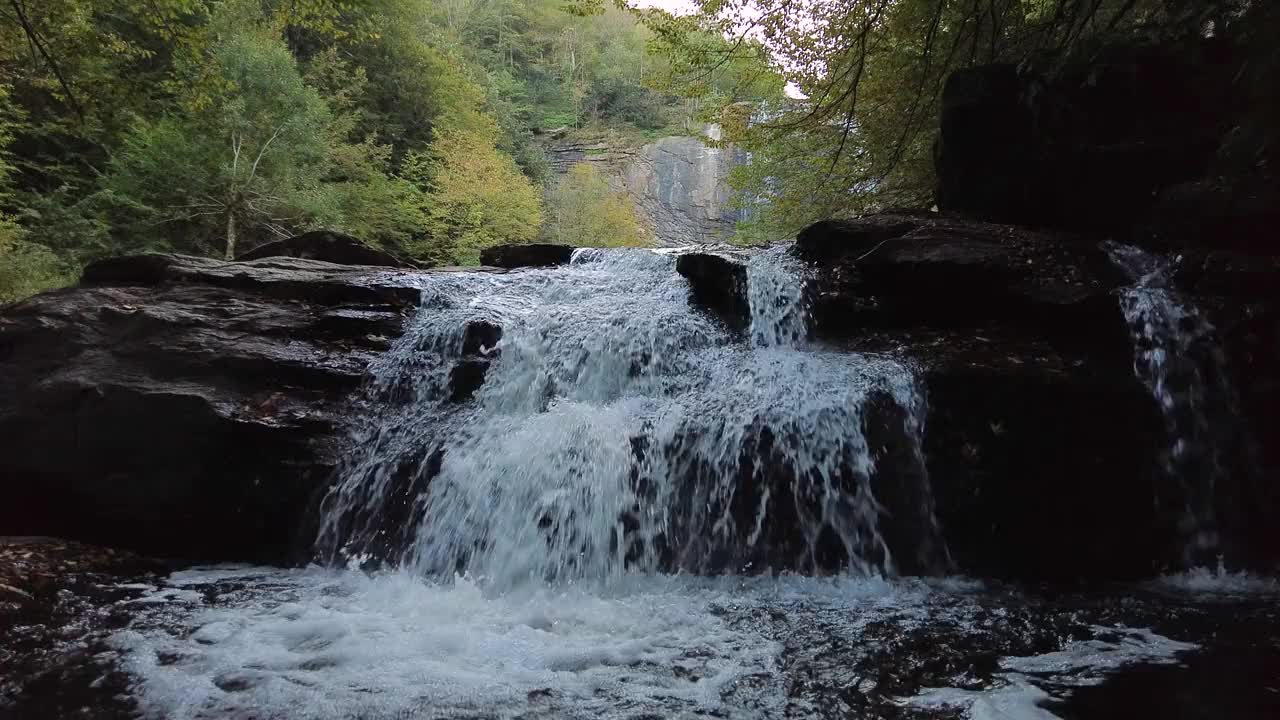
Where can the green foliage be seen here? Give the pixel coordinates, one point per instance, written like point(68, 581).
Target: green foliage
point(872, 72)
point(584, 211)
point(478, 197)
point(251, 163)
point(25, 267)
point(208, 126)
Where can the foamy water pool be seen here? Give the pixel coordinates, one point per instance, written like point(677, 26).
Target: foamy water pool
point(243, 642)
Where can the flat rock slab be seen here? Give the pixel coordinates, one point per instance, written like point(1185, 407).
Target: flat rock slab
point(187, 407)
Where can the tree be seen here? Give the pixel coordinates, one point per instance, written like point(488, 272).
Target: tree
point(584, 211)
point(872, 72)
point(477, 197)
point(250, 144)
point(25, 268)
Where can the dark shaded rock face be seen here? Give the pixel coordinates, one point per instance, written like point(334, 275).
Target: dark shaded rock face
point(898, 271)
point(1240, 297)
point(532, 255)
point(717, 284)
point(186, 407)
point(1042, 445)
point(1135, 139)
point(1044, 465)
point(327, 246)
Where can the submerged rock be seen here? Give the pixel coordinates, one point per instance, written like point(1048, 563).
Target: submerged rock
point(186, 407)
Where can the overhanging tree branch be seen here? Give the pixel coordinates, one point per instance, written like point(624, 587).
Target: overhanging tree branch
point(34, 38)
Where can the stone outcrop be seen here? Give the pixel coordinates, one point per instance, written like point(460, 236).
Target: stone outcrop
point(718, 284)
point(530, 255)
point(186, 407)
point(682, 185)
point(1170, 141)
point(679, 183)
point(1041, 444)
point(918, 271)
point(327, 246)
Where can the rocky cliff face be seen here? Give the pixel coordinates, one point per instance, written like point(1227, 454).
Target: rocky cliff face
point(183, 406)
point(679, 183)
point(1046, 454)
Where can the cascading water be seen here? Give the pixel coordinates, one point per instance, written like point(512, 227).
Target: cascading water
point(531, 460)
point(618, 430)
point(1175, 359)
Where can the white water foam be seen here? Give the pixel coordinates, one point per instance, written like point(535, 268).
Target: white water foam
point(618, 430)
point(326, 644)
point(322, 644)
point(1029, 682)
point(1218, 584)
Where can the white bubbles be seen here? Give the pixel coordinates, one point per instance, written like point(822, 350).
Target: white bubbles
point(324, 644)
point(617, 429)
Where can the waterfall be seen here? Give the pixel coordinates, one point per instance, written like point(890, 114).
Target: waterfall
point(1178, 362)
point(618, 430)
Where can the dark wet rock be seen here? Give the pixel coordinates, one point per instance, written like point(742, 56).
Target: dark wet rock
point(531, 255)
point(1130, 139)
point(57, 601)
point(327, 246)
point(718, 284)
point(898, 271)
point(829, 240)
point(1036, 425)
point(1043, 466)
point(1246, 349)
point(1240, 214)
point(183, 406)
point(1225, 274)
point(902, 487)
point(466, 378)
point(480, 337)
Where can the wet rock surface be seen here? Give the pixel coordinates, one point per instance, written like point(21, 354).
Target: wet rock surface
point(1188, 647)
point(901, 271)
point(186, 407)
point(1037, 425)
point(327, 246)
point(717, 283)
point(58, 601)
point(531, 255)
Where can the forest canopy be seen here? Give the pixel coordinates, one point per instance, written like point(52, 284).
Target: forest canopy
point(212, 126)
point(419, 126)
point(869, 74)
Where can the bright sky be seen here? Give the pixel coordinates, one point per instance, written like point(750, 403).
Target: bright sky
point(675, 7)
point(680, 7)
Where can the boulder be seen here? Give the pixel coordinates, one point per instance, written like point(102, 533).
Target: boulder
point(1044, 466)
point(921, 271)
point(718, 284)
point(530, 255)
point(1037, 425)
point(1101, 143)
point(186, 407)
point(327, 246)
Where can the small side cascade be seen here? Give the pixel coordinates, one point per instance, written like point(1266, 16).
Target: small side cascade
point(775, 294)
point(1175, 358)
point(614, 430)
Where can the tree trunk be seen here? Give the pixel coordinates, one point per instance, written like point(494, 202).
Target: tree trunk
point(231, 236)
